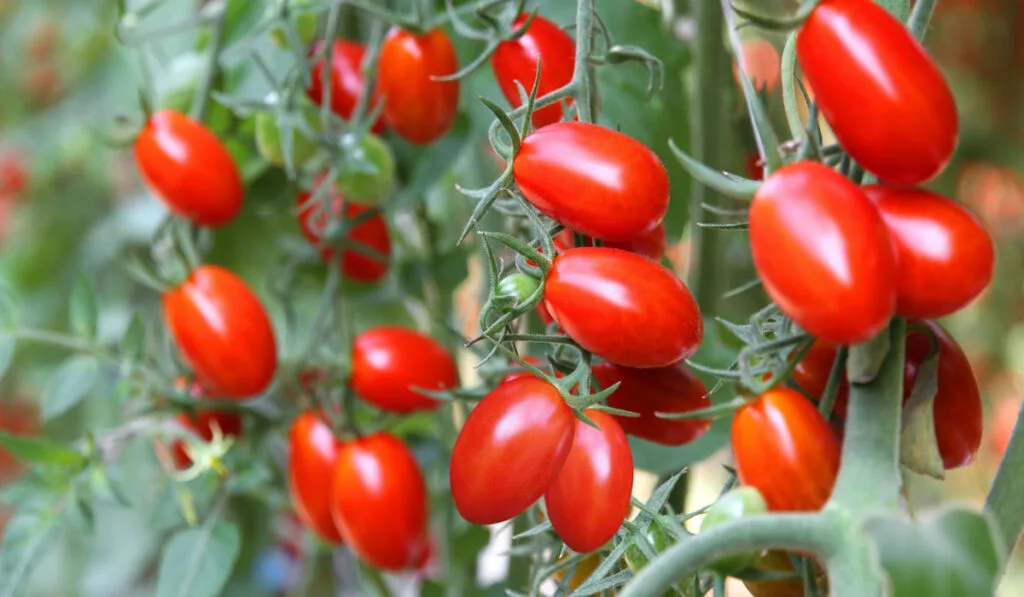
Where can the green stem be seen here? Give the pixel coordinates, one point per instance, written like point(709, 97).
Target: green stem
point(202, 98)
point(920, 17)
point(1004, 501)
point(835, 379)
point(854, 570)
point(584, 43)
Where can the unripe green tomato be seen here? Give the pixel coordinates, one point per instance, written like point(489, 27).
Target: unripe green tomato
point(271, 146)
point(659, 541)
point(517, 286)
point(369, 175)
point(305, 26)
point(734, 505)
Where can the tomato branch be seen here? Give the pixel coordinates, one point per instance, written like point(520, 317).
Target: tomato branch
point(1003, 501)
point(202, 96)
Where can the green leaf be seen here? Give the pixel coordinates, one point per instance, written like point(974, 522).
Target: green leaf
point(197, 562)
point(134, 341)
point(8, 344)
point(8, 310)
point(39, 451)
point(69, 384)
point(26, 540)
point(952, 553)
point(919, 446)
point(84, 309)
point(723, 182)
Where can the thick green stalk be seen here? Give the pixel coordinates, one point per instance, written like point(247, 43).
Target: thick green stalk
point(1004, 501)
point(581, 75)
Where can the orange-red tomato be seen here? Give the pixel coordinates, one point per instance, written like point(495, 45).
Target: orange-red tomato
point(389, 362)
point(812, 374)
point(346, 79)
point(371, 233)
point(313, 451)
point(1004, 419)
point(516, 60)
point(223, 331)
point(202, 423)
point(418, 108)
point(17, 417)
point(187, 167)
point(651, 245)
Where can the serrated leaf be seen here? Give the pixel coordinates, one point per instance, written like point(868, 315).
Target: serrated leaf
point(8, 345)
point(84, 308)
point(26, 539)
point(31, 450)
point(68, 385)
point(198, 562)
point(919, 446)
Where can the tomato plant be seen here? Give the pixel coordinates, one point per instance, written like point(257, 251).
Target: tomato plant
point(345, 77)
point(516, 61)
point(312, 454)
point(271, 145)
point(371, 233)
point(17, 417)
point(734, 505)
point(373, 178)
point(651, 245)
point(390, 364)
point(812, 373)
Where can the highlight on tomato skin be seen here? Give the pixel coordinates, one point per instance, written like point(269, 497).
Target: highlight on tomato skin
point(516, 60)
point(346, 79)
point(313, 451)
point(389, 363)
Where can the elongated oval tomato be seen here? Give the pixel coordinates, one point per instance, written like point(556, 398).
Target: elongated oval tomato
point(379, 502)
point(346, 79)
point(511, 447)
point(589, 498)
point(812, 374)
point(516, 60)
point(202, 423)
point(885, 99)
point(594, 180)
point(223, 331)
point(785, 449)
point(188, 168)
point(418, 108)
point(944, 257)
point(372, 233)
point(388, 362)
point(651, 245)
point(311, 459)
point(623, 307)
point(823, 253)
point(673, 389)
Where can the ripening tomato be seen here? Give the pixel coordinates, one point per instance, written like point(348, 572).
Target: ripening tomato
point(592, 179)
point(623, 307)
point(223, 331)
point(346, 79)
point(418, 108)
point(389, 363)
point(313, 451)
point(583, 570)
point(775, 562)
point(812, 374)
point(957, 407)
point(516, 60)
point(187, 167)
point(379, 501)
point(885, 99)
point(944, 257)
point(371, 233)
point(596, 479)
point(823, 253)
point(202, 423)
point(651, 245)
point(785, 449)
point(673, 389)
point(510, 449)
point(17, 417)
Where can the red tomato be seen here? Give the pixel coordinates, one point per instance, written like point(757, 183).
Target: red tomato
point(785, 449)
point(651, 245)
point(13, 175)
point(597, 480)
point(510, 449)
point(944, 257)
point(346, 79)
point(516, 60)
point(672, 389)
point(187, 167)
point(202, 424)
point(418, 108)
point(542, 312)
point(885, 99)
point(313, 451)
point(223, 331)
point(823, 253)
point(371, 233)
point(17, 417)
point(754, 168)
point(389, 362)
point(623, 307)
point(624, 184)
point(1004, 419)
point(957, 406)
point(812, 374)
point(379, 501)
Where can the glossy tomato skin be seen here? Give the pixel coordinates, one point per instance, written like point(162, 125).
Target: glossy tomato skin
point(379, 502)
point(623, 307)
point(944, 256)
point(624, 184)
point(189, 169)
point(389, 361)
point(786, 450)
point(416, 107)
point(596, 478)
point(823, 253)
point(372, 233)
point(222, 330)
point(812, 372)
point(510, 449)
point(672, 389)
point(346, 79)
point(516, 60)
point(885, 99)
point(957, 408)
point(202, 424)
point(313, 452)
point(651, 245)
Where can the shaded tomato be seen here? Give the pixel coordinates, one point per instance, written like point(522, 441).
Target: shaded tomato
point(510, 449)
point(761, 65)
point(545, 316)
point(1004, 419)
point(388, 362)
point(885, 99)
point(189, 169)
point(735, 504)
point(623, 307)
point(418, 108)
point(596, 479)
point(202, 423)
point(516, 60)
point(313, 451)
point(624, 184)
point(17, 417)
point(651, 245)
point(823, 253)
point(785, 449)
point(944, 257)
point(371, 233)
point(346, 79)
point(583, 570)
point(222, 331)
point(812, 372)
point(774, 561)
point(379, 501)
point(673, 389)
point(13, 174)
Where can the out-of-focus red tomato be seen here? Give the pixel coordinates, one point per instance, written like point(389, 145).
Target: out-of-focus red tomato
point(17, 417)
